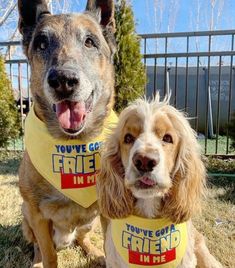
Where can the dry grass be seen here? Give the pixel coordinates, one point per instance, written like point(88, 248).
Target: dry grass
point(217, 221)
point(15, 252)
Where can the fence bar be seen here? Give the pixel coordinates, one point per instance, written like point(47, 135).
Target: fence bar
point(186, 78)
point(218, 108)
point(165, 73)
point(176, 80)
point(28, 87)
point(154, 76)
point(197, 95)
point(185, 34)
point(230, 95)
point(145, 65)
point(207, 96)
point(190, 54)
point(16, 61)
point(10, 43)
point(21, 97)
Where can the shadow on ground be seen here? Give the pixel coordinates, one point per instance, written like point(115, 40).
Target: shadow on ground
point(227, 184)
point(14, 250)
point(9, 162)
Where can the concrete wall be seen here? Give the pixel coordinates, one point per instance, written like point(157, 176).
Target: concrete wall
point(190, 107)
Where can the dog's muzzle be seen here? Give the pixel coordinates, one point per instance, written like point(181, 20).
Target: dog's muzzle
point(71, 114)
point(63, 82)
point(144, 165)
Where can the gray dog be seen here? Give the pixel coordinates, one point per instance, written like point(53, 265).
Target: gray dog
point(72, 84)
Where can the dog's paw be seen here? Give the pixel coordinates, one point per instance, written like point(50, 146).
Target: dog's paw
point(37, 265)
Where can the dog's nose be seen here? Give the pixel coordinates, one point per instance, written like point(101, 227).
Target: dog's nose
point(144, 163)
point(63, 81)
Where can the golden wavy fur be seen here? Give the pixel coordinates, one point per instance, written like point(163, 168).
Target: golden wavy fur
point(187, 173)
point(152, 167)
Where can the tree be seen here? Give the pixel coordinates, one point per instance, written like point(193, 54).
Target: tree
point(9, 118)
point(129, 69)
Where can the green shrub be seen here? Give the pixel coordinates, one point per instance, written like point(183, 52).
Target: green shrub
point(9, 118)
point(129, 69)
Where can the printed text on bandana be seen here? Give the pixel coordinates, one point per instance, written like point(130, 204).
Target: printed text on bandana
point(147, 247)
point(78, 165)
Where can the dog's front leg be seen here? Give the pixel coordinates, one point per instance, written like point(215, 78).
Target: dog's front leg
point(37, 259)
point(204, 258)
point(41, 230)
point(83, 239)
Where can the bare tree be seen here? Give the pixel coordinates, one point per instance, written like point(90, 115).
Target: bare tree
point(9, 19)
point(7, 12)
point(172, 14)
point(158, 15)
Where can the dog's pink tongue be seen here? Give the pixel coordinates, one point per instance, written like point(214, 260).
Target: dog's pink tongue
point(148, 181)
point(71, 115)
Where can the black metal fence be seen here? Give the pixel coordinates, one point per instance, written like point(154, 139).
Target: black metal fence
point(18, 70)
point(196, 67)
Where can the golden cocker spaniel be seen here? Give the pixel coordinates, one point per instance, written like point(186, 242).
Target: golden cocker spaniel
point(152, 172)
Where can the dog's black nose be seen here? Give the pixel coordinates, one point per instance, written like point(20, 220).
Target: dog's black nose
point(63, 81)
point(144, 163)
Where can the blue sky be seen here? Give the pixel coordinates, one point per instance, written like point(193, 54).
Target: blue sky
point(180, 14)
point(159, 16)
point(163, 15)
point(153, 16)
point(185, 12)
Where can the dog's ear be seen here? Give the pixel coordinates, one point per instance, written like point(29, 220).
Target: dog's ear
point(188, 186)
point(115, 200)
point(106, 8)
point(30, 12)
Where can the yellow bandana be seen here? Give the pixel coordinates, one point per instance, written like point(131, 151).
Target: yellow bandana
point(71, 166)
point(149, 242)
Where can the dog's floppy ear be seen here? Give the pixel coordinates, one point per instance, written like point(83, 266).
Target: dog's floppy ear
point(30, 12)
point(106, 12)
point(115, 200)
point(188, 183)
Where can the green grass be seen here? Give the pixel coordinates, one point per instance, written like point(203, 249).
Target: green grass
point(18, 145)
point(217, 222)
point(211, 146)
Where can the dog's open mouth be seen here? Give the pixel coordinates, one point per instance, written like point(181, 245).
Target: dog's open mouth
point(72, 115)
point(145, 183)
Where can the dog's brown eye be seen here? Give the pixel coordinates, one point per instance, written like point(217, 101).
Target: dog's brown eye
point(43, 46)
point(129, 138)
point(167, 138)
point(89, 43)
point(41, 42)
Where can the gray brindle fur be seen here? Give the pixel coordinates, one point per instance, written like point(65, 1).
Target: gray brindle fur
point(70, 56)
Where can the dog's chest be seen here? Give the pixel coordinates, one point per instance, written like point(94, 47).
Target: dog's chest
point(139, 242)
point(70, 166)
point(59, 208)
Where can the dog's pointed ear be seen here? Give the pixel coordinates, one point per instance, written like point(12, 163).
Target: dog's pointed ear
point(106, 8)
point(30, 12)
